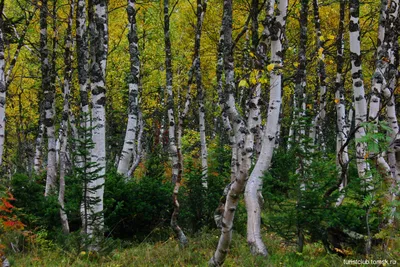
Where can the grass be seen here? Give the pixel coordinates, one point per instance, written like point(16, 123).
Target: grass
point(200, 250)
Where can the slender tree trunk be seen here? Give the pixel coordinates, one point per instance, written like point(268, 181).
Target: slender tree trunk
point(321, 113)
point(201, 9)
point(128, 150)
point(244, 149)
point(222, 100)
point(48, 102)
point(253, 197)
point(218, 214)
point(173, 149)
point(83, 59)
point(358, 91)
point(82, 50)
point(68, 58)
point(341, 121)
point(300, 94)
point(98, 34)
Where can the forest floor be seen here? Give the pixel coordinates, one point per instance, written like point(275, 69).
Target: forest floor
point(201, 248)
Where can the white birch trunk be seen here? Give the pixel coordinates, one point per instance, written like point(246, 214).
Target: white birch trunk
point(341, 119)
point(99, 46)
point(174, 152)
point(253, 197)
point(68, 59)
point(201, 9)
point(244, 149)
point(360, 103)
point(128, 150)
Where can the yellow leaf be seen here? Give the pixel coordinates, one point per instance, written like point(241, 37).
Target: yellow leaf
point(253, 79)
point(296, 64)
point(243, 83)
point(251, 54)
point(331, 37)
point(322, 38)
point(366, 155)
point(309, 106)
point(337, 100)
point(270, 67)
point(263, 80)
point(320, 51)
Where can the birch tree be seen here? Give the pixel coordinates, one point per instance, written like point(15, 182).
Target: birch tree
point(244, 150)
point(342, 120)
point(253, 197)
point(201, 9)
point(173, 149)
point(68, 58)
point(358, 91)
point(98, 34)
point(48, 101)
point(82, 58)
point(129, 151)
point(316, 130)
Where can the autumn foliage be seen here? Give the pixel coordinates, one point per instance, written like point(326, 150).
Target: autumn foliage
point(9, 222)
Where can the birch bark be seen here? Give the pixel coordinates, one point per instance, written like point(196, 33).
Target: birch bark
point(128, 151)
point(201, 9)
point(48, 101)
point(98, 33)
point(68, 58)
point(341, 121)
point(244, 150)
point(173, 149)
point(253, 197)
point(316, 131)
point(360, 104)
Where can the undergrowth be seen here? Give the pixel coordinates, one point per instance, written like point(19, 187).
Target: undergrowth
point(199, 251)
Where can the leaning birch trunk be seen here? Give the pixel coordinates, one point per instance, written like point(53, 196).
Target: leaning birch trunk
point(222, 99)
point(218, 214)
point(201, 9)
point(128, 152)
point(173, 149)
point(2, 86)
point(98, 32)
point(253, 197)
point(244, 150)
point(341, 121)
point(360, 104)
point(65, 115)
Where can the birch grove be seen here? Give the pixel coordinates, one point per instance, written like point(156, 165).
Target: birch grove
point(148, 120)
